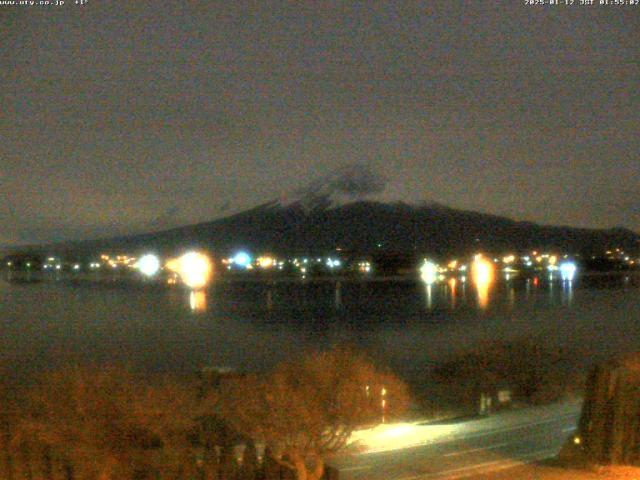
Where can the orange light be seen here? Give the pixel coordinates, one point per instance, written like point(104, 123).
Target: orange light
point(198, 301)
point(194, 269)
point(266, 262)
point(482, 271)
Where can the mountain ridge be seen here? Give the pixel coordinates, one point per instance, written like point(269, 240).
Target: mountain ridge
point(364, 226)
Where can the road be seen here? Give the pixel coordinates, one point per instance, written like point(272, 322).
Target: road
point(460, 449)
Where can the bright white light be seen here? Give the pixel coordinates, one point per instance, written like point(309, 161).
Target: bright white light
point(76, 267)
point(568, 270)
point(331, 263)
point(148, 265)
point(429, 272)
point(194, 269)
point(482, 269)
point(398, 436)
point(242, 259)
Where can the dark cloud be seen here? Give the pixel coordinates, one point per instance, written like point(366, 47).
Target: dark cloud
point(358, 180)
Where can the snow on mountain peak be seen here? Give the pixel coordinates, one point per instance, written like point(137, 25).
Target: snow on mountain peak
point(348, 184)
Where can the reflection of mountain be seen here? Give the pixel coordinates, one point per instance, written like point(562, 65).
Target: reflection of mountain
point(367, 227)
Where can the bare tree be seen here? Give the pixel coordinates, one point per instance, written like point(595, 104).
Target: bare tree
point(307, 410)
point(106, 424)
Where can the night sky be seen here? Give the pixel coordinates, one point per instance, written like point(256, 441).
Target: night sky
point(127, 116)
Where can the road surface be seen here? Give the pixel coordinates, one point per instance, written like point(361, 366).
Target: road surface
point(460, 449)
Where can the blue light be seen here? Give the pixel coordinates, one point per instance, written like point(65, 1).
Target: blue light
point(242, 259)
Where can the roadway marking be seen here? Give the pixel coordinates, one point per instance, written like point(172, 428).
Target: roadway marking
point(471, 450)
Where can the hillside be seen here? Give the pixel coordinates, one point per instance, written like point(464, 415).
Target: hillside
point(364, 227)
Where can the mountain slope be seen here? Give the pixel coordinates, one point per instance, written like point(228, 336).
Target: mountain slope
point(319, 226)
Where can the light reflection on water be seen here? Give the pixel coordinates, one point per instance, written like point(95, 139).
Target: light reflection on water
point(198, 301)
point(252, 324)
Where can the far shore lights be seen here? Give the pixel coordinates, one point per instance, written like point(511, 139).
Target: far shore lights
point(429, 272)
point(148, 265)
point(194, 269)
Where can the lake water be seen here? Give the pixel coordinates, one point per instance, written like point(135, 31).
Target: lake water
point(252, 325)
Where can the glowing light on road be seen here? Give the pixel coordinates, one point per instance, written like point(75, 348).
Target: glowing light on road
point(568, 271)
point(483, 273)
point(429, 272)
point(193, 268)
point(148, 265)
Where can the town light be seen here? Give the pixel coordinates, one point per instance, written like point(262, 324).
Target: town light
point(331, 263)
point(194, 269)
point(429, 272)
point(482, 270)
point(148, 265)
point(242, 259)
point(266, 262)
